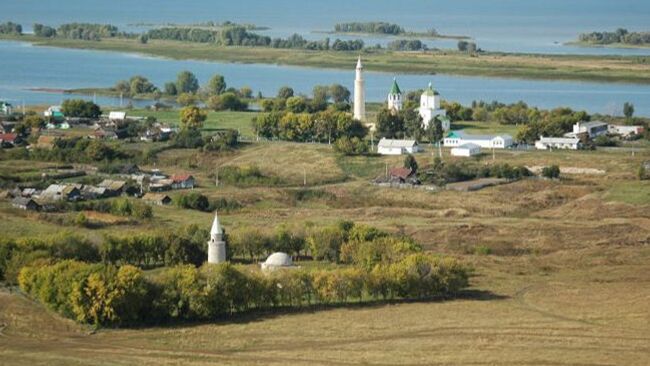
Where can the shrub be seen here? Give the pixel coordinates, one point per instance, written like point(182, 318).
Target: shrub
point(551, 172)
point(351, 146)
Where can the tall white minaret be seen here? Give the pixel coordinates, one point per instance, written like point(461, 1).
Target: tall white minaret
point(359, 94)
point(216, 245)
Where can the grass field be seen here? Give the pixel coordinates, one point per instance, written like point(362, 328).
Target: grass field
point(565, 281)
point(240, 121)
point(556, 67)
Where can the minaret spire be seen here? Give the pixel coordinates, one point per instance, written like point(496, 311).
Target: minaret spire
point(359, 93)
point(216, 245)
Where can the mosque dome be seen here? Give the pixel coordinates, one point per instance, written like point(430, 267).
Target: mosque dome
point(276, 260)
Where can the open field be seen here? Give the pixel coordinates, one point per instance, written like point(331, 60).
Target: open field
point(595, 68)
point(240, 121)
point(561, 279)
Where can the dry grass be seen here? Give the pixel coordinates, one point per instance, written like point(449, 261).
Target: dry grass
point(566, 282)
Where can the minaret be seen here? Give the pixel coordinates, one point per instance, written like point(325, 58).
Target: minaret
point(359, 94)
point(216, 245)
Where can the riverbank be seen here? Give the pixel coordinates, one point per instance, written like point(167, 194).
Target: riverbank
point(406, 35)
point(630, 69)
point(610, 45)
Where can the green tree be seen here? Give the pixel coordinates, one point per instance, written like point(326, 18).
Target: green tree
point(192, 118)
point(628, 110)
point(285, 92)
point(339, 93)
point(436, 134)
point(411, 163)
point(296, 104)
point(551, 172)
point(170, 88)
point(80, 108)
point(186, 82)
point(186, 99)
point(140, 85)
point(389, 124)
point(217, 85)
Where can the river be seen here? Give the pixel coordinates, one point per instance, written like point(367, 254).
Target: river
point(24, 67)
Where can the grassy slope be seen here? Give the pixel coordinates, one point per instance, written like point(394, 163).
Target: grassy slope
point(594, 68)
point(566, 283)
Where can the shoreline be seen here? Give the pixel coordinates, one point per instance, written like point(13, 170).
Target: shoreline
point(611, 45)
point(622, 69)
point(407, 35)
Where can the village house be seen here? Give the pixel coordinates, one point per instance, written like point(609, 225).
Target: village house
point(58, 192)
point(113, 187)
point(104, 134)
point(159, 199)
point(550, 143)
point(5, 108)
point(466, 150)
point(25, 204)
point(402, 175)
point(397, 147)
point(625, 131)
point(29, 192)
point(591, 129)
point(92, 192)
point(182, 181)
point(9, 139)
point(54, 113)
point(459, 138)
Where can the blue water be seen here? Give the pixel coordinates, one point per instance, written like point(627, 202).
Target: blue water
point(23, 66)
point(497, 25)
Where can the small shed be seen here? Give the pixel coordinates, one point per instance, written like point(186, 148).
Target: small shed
point(159, 199)
point(117, 116)
point(466, 150)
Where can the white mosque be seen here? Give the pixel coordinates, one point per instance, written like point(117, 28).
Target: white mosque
point(429, 101)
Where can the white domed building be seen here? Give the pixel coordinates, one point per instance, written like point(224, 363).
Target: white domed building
point(277, 260)
point(430, 108)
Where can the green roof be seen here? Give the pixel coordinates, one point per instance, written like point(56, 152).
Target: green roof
point(394, 90)
point(429, 92)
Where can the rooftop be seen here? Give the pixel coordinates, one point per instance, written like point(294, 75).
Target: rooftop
point(466, 136)
point(384, 142)
point(394, 90)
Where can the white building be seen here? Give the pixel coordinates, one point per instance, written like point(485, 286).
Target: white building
point(53, 111)
point(395, 97)
point(359, 94)
point(430, 108)
point(458, 138)
point(216, 245)
point(397, 147)
point(625, 131)
point(277, 260)
point(592, 129)
point(466, 150)
point(117, 116)
point(549, 143)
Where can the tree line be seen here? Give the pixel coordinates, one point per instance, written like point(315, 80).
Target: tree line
point(378, 267)
point(621, 35)
point(326, 126)
point(369, 27)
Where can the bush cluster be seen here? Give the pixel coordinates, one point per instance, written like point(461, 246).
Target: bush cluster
point(443, 173)
point(109, 295)
point(200, 202)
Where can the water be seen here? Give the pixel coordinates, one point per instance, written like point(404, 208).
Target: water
point(23, 66)
point(497, 25)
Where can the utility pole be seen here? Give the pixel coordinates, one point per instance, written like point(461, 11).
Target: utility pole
point(372, 141)
point(216, 173)
point(304, 176)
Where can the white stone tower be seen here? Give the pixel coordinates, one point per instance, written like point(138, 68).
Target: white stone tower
point(359, 94)
point(430, 108)
point(395, 97)
point(216, 245)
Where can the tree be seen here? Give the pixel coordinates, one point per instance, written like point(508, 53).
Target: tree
point(350, 146)
point(140, 85)
point(80, 108)
point(389, 124)
point(435, 133)
point(285, 92)
point(186, 99)
point(551, 172)
point(170, 88)
point(226, 101)
point(339, 93)
point(217, 85)
point(296, 104)
point(628, 109)
point(192, 118)
point(411, 163)
point(186, 82)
